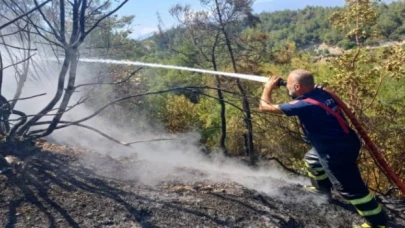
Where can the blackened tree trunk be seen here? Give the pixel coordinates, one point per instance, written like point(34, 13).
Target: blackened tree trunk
point(245, 101)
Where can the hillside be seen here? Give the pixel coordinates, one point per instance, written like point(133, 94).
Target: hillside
point(311, 27)
point(54, 187)
point(279, 5)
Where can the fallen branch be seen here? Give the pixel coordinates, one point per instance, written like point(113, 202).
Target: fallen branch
point(285, 167)
point(153, 140)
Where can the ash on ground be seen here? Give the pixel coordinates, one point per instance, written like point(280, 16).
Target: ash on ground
point(52, 187)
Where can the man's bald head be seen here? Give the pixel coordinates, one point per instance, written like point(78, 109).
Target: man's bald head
point(300, 82)
point(303, 77)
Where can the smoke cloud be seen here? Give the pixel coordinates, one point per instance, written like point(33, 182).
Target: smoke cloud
point(148, 162)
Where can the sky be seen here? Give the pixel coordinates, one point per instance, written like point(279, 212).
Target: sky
point(145, 11)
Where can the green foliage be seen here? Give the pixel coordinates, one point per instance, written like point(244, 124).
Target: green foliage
point(304, 27)
point(311, 26)
point(361, 76)
point(370, 80)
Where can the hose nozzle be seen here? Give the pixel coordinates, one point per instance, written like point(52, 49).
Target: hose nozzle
point(282, 82)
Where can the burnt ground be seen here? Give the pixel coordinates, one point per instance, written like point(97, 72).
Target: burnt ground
point(52, 188)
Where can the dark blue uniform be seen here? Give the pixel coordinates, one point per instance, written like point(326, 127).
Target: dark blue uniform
point(332, 159)
point(318, 124)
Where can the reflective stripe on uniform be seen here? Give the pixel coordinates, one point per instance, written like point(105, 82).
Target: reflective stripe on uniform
point(316, 169)
point(320, 177)
point(370, 212)
point(366, 225)
point(363, 200)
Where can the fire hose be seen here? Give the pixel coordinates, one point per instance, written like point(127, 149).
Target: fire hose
point(372, 148)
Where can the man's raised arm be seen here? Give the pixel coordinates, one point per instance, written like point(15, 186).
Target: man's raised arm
point(266, 101)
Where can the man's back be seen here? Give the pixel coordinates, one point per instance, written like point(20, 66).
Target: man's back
point(319, 124)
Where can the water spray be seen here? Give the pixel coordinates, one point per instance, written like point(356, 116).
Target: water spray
point(154, 65)
point(375, 152)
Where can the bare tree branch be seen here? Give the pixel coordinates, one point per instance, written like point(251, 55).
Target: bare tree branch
point(13, 131)
point(4, 115)
point(1, 73)
point(10, 54)
point(79, 125)
point(375, 94)
point(13, 33)
point(37, 28)
point(54, 114)
point(75, 25)
point(285, 167)
point(103, 134)
point(111, 83)
point(14, 64)
point(101, 109)
point(55, 33)
point(27, 98)
point(68, 91)
point(22, 76)
point(56, 98)
point(69, 67)
point(62, 21)
point(83, 17)
point(97, 10)
point(102, 18)
point(38, 7)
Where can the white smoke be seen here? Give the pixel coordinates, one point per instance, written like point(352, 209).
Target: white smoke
point(153, 162)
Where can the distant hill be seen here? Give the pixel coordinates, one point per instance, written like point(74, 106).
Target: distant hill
point(309, 26)
point(277, 5)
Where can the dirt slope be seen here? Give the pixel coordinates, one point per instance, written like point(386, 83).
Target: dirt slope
point(52, 188)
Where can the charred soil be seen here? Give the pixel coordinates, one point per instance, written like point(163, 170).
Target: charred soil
point(49, 186)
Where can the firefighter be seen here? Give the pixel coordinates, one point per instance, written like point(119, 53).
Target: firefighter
point(331, 163)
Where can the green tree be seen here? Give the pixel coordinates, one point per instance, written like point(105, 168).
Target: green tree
point(359, 75)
